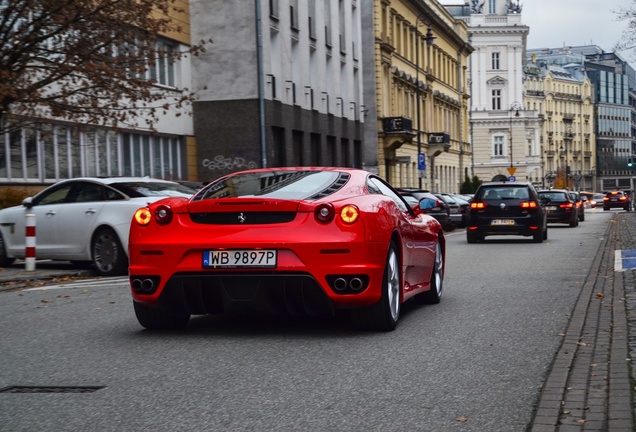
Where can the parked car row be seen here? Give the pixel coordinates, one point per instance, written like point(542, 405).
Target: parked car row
point(451, 210)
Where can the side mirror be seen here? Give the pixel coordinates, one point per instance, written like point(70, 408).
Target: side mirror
point(427, 204)
point(27, 202)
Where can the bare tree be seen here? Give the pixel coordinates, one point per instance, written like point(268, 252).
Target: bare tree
point(88, 61)
point(628, 40)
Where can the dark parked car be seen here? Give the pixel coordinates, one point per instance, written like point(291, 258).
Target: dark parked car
point(616, 199)
point(506, 209)
point(560, 206)
point(455, 209)
point(440, 212)
point(580, 204)
point(464, 207)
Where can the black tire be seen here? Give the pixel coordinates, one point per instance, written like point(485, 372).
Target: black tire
point(545, 233)
point(109, 257)
point(472, 237)
point(155, 318)
point(384, 315)
point(5, 261)
point(574, 223)
point(582, 218)
point(434, 295)
point(605, 208)
point(537, 237)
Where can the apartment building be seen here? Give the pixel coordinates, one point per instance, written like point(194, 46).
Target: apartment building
point(281, 86)
point(562, 93)
point(418, 94)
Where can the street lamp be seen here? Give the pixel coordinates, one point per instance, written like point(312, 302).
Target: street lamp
point(429, 38)
point(515, 106)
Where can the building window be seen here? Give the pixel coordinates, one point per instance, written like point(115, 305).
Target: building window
point(492, 6)
point(498, 145)
point(162, 69)
point(496, 99)
point(66, 152)
point(495, 61)
point(293, 13)
point(273, 8)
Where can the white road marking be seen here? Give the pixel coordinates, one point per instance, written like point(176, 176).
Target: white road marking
point(86, 283)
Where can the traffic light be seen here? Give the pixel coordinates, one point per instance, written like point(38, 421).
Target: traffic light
point(630, 162)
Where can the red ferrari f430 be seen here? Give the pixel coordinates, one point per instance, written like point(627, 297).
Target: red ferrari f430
point(317, 241)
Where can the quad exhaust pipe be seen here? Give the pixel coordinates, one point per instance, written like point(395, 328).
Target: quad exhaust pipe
point(348, 284)
point(144, 284)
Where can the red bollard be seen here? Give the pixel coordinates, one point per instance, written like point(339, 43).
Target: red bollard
point(29, 252)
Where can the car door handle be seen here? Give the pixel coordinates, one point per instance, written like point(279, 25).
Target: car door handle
point(90, 211)
point(51, 213)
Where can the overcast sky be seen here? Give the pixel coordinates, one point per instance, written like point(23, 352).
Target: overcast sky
point(557, 23)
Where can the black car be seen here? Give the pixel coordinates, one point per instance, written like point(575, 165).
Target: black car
point(616, 199)
point(560, 206)
point(506, 209)
point(580, 204)
point(440, 212)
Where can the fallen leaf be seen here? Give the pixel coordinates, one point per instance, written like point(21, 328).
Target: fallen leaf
point(600, 295)
point(582, 421)
point(461, 419)
point(45, 301)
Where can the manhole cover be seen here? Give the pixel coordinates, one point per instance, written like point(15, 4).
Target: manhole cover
point(50, 389)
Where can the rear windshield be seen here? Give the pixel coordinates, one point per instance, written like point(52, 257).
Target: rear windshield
point(284, 184)
point(153, 189)
point(555, 196)
point(503, 192)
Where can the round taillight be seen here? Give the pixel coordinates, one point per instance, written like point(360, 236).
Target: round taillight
point(143, 216)
point(163, 214)
point(325, 212)
point(349, 214)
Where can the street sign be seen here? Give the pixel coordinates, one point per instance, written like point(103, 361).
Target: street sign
point(512, 171)
point(512, 179)
point(421, 161)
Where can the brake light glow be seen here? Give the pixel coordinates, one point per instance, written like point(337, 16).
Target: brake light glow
point(349, 214)
point(143, 216)
point(623, 198)
point(529, 204)
point(477, 205)
point(567, 205)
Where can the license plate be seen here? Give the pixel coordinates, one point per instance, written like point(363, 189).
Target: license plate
point(240, 258)
point(551, 208)
point(502, 222)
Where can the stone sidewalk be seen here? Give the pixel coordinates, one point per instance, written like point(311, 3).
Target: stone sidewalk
point(589, 387)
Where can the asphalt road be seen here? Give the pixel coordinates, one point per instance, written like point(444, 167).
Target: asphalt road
point(475, 362)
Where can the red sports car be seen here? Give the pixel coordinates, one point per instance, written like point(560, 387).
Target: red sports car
point(285, 240)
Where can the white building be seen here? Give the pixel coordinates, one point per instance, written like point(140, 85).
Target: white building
point(281, 85)
point(505, 133)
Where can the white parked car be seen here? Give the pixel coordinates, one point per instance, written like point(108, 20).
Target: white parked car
point(84, 220)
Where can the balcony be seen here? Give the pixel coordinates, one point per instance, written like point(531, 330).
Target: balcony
point(567, 117)
point(549, 153)
point(397, 125)
point(576, 154)
point(439, 139)
point(587, 154)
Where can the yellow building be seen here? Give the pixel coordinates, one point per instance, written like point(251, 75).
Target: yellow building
point(563, 96)
point(421, 58)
